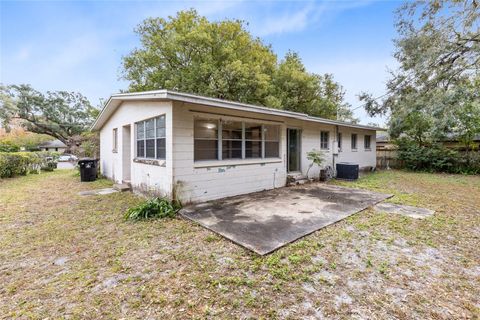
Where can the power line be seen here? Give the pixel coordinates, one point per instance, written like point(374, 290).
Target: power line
point(374, 99)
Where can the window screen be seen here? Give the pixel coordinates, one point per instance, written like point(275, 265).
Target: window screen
point(324, 136)
point(151, 138)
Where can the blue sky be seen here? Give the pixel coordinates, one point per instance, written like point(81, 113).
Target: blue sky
point(78, 45)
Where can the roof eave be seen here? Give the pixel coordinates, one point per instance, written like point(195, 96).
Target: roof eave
point(115, 100)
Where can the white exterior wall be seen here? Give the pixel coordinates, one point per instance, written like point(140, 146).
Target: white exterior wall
point(145, 177)
point(310, 139)
point(364, 158)
point(50, 149)
point(207, 180)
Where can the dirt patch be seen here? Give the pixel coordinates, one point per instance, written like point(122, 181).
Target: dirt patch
point(70, 256)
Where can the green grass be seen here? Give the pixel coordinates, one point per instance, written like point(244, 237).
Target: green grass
point(175, 269)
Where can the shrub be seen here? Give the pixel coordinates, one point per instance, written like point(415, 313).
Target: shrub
point(21, 163)
point(153, 208)
point(7, 146)
point(316, 157)
point(437, 158)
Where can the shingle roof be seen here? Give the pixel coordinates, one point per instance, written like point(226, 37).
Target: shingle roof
point(53, 144)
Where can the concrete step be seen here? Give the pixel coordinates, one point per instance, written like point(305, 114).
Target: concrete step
point(122, 187)
point(298, 180)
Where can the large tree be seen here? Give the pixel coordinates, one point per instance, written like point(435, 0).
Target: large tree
point(222, 59)
point(295, 89)
point(191, 54)
point(435, 91)
point(59, 114)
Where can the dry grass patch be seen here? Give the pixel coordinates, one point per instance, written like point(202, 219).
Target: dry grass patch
point(64, 255)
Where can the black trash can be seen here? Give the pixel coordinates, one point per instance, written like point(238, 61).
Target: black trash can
point(347, 171)
point(88, 169)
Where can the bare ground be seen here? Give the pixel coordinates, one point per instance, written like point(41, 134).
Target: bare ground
point(67, 256)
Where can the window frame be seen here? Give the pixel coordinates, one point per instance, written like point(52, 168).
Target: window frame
point(265, 140)
point(115, 140)
point(216, 139)
point(369, 148)
point(354, 148)
point(241, 139)
point(244, 140)
point(155, 137)
point(322, 147)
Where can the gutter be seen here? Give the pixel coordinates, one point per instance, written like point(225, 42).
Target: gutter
point(213, 102)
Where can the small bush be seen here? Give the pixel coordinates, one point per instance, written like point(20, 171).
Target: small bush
point(437, 158)
point(21, 163)
point(153, 208)
point(7, 146)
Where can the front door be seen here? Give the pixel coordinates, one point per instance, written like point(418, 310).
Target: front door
point(293, 150)
point(126, 154)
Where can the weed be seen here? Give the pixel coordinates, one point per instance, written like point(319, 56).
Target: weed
point(153, 208)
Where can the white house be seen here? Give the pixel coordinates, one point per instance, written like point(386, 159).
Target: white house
point(204, 148)
point(54, 145)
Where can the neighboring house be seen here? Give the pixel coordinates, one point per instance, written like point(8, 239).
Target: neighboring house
point(204, 148)
point(54, 145)
point(383, 141)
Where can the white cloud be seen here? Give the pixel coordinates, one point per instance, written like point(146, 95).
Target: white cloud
point(286, 22)
point(23, 54)
point(304, 17)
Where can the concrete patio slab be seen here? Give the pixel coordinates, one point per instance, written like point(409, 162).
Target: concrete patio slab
point(409, 211)
point(267, 220)
point(97, 192)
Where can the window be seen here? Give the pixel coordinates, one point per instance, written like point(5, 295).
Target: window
point(272, 141)
point(232, 140)
point(205, 139)
point(354, 141)
point(366, 142)
point(115, 140)
point(339, 141)
point(253, 140)
point(151, 138)
point(225, 139)
point(324, 135)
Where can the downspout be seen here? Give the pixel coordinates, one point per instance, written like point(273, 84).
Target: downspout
point(335, 148)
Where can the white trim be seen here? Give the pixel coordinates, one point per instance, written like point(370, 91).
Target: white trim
point(234, 162)
point(115, 100)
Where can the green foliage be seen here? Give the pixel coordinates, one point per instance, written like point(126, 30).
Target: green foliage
point(8, 146)
point(59, 114)
point(223, 60)
point(21, 163)
point(86, 145)
point(295, 89)
point(434, 93)
point(437, 158)
point(22, 139)
point(316, 157)
point(153, 208)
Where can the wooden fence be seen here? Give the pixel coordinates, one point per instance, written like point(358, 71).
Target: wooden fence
point(388, 159)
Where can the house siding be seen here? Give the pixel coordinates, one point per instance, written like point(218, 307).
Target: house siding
point(202, 181)
point(143, 177)
point(364, 158)
point(195, 183)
